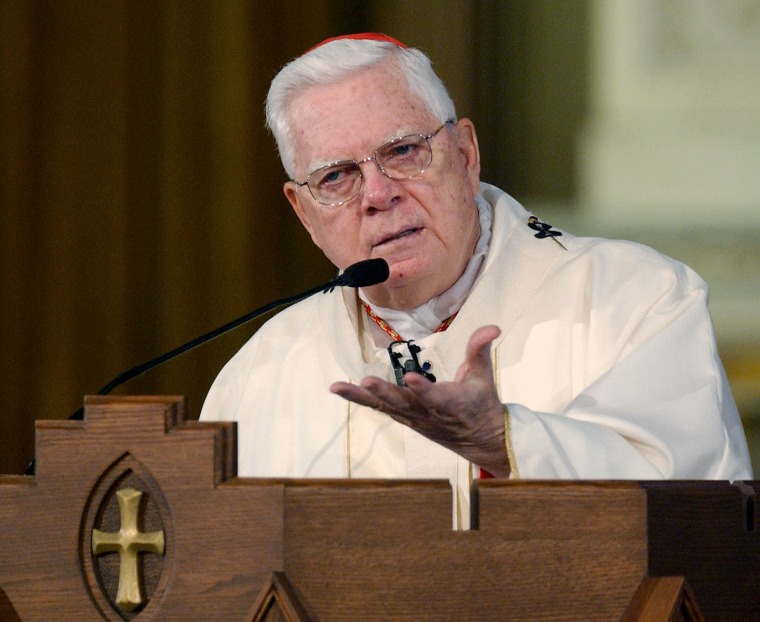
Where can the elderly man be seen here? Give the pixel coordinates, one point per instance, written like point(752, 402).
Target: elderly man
point(537, 354)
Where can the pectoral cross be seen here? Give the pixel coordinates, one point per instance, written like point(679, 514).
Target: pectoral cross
point(128, 542)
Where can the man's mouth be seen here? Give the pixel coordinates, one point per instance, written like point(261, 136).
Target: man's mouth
point(398, 236)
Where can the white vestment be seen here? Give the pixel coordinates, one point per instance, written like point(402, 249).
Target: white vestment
point(607, 363)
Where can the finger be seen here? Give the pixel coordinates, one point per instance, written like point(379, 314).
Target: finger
point(354, 393)
point(340, 387)
point(479, 345)
point(478, 353)
point(374, 393)
point(396, 399)
point(421, 390)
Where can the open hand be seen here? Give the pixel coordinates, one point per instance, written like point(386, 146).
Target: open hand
point(464, 415)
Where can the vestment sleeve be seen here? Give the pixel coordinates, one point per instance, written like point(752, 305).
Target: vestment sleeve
point(658, 407)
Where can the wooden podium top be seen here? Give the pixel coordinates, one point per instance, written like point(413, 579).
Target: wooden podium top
point(136, 514)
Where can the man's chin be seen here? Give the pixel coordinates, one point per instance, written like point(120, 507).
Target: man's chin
point(404, 272)
point(403, 287)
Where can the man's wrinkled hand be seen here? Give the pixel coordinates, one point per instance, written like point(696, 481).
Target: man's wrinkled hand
point(464, 415)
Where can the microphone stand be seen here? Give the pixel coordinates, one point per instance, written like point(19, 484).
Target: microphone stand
point(142, 368)
point(361, 274)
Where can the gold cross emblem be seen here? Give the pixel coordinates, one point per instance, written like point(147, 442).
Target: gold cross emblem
point(128, 542)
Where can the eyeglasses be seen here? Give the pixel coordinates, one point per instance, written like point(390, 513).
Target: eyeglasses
point(401, 158)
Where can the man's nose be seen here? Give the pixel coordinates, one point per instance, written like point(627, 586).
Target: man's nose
point(379, 192)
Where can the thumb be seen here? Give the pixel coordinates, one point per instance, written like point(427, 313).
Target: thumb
point(478, 352)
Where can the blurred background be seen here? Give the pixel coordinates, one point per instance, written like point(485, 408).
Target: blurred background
point(140, 195)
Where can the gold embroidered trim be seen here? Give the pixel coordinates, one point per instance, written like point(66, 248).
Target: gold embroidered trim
point(508, 440)
point(348, 437)
point(507, 422)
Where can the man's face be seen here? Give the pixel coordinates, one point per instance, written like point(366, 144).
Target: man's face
point(426, 227)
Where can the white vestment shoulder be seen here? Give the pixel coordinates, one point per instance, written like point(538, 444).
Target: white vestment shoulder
point(607, 363)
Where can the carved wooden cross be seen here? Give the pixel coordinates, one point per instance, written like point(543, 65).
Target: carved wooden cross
point(128, 542)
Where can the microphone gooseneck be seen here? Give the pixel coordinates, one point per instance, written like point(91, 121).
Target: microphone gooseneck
point(361, 274)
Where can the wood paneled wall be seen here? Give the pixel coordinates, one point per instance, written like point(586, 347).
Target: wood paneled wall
point(141, 195)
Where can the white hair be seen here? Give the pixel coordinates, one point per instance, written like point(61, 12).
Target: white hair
point(333, 61)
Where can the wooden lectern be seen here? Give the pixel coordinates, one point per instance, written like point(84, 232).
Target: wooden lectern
point(135, 514)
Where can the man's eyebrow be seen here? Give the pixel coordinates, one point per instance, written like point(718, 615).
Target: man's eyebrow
point(318, 164)
point(399, 133)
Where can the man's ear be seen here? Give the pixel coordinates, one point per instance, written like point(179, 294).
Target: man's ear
point(294, 198)
point(467, 143)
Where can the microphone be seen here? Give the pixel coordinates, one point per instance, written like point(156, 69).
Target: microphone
point(361, 274)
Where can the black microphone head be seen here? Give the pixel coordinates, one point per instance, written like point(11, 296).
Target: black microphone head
point(364, 273)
